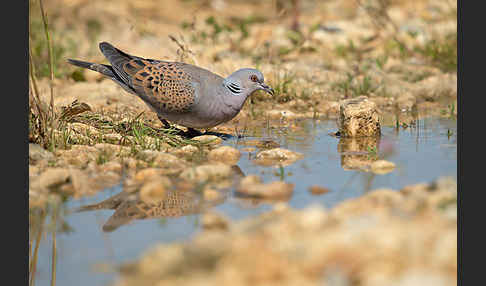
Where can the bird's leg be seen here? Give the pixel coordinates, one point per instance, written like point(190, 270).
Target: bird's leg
point(166, 124)
point(193, 132)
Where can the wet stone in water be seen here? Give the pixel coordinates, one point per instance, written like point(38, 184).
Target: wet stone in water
point(358, 117)
point(207, 172)
point(187, 150)
point(277, 156)
point(262, 144)
point(210, 194)
point(318, 190)
point(224, 154)
point(169, 163)
point(214, 221)
point(51, 178)
point(382, 167)
point(253, 187)
point(208, 139)
point(148, 174)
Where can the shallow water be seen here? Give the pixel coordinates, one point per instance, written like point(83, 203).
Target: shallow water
point(87, 255)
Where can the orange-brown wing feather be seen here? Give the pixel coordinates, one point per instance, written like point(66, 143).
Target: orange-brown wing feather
point(164, 85)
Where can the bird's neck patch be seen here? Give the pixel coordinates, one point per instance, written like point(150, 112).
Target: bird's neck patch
point(233, 87)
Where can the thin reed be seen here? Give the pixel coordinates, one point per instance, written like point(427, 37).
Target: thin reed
point(43, 119)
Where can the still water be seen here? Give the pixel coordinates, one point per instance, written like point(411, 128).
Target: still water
point(86, 255)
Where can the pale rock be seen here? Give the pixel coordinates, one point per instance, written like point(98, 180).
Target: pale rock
point(252, 186)
point(318, 190)
point(359, 117)
point(382, 167)
point(207, 172)
point(224, 154)
point(37, 153)
point(277, 156)
point(214, 221)
point(208, 139)
point(50, 178)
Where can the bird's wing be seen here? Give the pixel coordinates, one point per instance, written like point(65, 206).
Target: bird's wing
point(164, 85)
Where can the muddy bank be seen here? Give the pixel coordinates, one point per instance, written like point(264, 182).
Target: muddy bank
point(386, 237)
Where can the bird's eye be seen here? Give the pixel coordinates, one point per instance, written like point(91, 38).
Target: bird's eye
point(254, 78)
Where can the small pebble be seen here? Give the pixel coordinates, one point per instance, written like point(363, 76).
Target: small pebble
point(382, 167)
point(208, 139)
point(318, 190)
point(224, 154)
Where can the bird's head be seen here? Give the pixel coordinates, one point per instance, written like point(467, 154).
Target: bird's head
point(246, 81)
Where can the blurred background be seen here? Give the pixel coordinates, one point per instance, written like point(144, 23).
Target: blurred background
point(222, 35)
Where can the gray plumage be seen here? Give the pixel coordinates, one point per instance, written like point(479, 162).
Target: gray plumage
point(181, 93)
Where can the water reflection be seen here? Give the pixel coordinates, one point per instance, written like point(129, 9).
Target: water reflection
point(182, 200)
point(129, 207)
point(358, 153)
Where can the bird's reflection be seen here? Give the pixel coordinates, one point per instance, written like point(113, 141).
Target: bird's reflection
point(179, 201)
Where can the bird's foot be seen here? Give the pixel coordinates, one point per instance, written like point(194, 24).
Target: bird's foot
point(191, 132)
point(165, 122)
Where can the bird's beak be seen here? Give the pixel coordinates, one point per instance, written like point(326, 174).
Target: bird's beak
point(267, 89)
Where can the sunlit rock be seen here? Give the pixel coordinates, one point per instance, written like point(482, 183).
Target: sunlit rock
point(208, 139)
point(318, 190)
point(37, 153)
point(382, 167)
point(224, 154)
point(50, 178)
point(214, 221)
point(358, 117)
point(252, 186)
point(261, 143)
point(207, 172)
point(211, 194)
point(186, 151)
point(169, 163)
point(148, 174)
point(277, 156)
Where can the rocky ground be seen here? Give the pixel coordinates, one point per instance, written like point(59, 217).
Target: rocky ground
point(401, 55)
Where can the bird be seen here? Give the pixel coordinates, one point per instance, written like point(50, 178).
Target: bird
point(181, 93)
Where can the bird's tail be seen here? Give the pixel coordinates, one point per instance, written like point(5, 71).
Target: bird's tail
point(103, 69)
point(117, 59)
point(115, 56)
